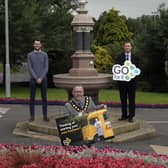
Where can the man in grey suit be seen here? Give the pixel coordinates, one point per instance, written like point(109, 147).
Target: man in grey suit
point(38, 69)
point(80, 103)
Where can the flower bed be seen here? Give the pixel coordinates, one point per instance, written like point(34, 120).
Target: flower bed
point(21, 156)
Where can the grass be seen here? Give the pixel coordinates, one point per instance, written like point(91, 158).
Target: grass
point(23, 92)
point(104, 95)
point(141, 97)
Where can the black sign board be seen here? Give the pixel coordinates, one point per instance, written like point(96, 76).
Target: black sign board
point(70, 129)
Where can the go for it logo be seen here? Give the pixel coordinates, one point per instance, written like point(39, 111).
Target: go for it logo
point(125, 72)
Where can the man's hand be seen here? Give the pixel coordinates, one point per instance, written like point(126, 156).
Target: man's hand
point(104, 106)
point(101, 106)
point(39, 80)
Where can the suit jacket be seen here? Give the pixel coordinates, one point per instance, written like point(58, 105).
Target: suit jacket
point(120, 60)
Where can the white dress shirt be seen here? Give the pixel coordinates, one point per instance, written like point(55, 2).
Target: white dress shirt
point(128, 56)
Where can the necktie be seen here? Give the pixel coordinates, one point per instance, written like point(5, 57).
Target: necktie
point(126, 56)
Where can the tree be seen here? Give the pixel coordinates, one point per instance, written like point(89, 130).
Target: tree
point(47, 20)
point(111, 31)
point(58, 38)
point(103, 61)
point(150, 39)
point(28, 20)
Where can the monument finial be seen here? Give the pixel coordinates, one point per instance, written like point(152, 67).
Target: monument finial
point(83, 1)
point(82, 4)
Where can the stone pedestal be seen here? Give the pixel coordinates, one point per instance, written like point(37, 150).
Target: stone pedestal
point(83, 64)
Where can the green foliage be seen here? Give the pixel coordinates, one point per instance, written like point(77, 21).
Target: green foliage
point(58, 39)
point(47, 20)
point(111, 31)
point(111, 28)
point(104, 95)
point(102, 59)
point(151, 41)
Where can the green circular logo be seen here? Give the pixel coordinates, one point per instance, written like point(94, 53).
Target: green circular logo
point(132, 67)
point(127, 78)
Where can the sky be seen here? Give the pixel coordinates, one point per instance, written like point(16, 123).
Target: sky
point(129, 8)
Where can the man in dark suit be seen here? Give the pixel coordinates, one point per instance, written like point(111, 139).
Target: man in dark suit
point(127, 89)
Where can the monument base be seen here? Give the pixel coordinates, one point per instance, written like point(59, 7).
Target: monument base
point(123, 130)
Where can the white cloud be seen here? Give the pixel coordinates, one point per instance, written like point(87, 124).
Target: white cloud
point(129, 8)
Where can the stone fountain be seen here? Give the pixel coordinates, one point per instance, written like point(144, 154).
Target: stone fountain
point(83, 71)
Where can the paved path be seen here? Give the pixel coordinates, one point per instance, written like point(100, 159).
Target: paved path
point(3, 111)
point(10, 114)
point(160, 149)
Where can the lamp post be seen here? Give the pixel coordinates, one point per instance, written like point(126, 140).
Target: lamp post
point(7, 65)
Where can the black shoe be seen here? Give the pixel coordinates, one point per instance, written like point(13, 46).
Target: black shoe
point(31, 119)
point(122, 118)
point(46, 119)
point(130, 120)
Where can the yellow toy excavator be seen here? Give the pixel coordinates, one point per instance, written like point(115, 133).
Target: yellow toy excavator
point(91, 131)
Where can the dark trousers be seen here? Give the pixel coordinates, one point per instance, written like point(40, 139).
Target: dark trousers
point(43, 86)
point(127, 91)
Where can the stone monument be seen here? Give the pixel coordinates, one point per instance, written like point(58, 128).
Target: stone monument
point(83, 71)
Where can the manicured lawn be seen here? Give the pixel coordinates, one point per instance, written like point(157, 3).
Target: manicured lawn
point(141, 97)
point(104, 95)
point(23, 92)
